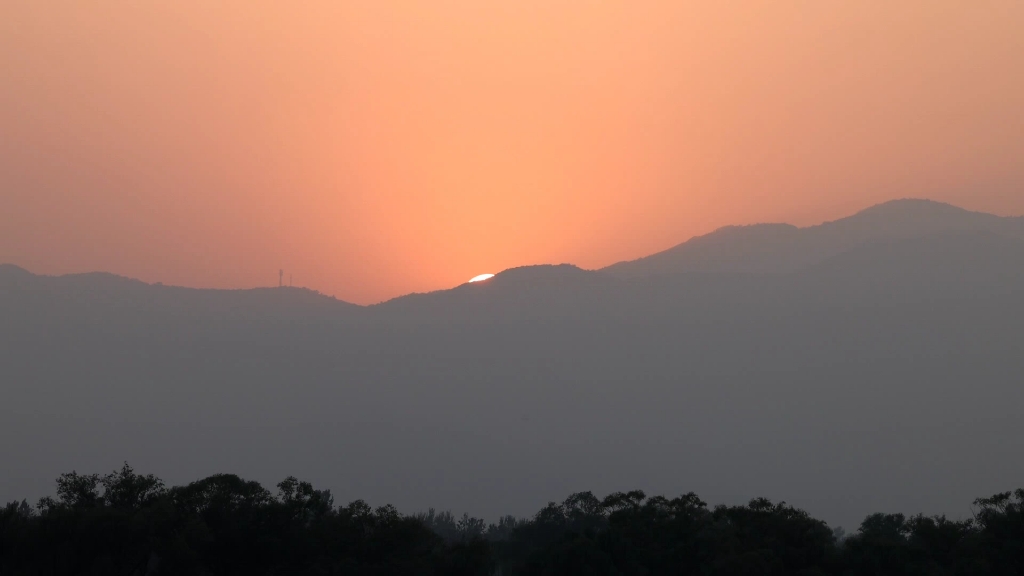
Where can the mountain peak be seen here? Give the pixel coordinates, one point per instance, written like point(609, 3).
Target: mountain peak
point(541, 271)
point(913, 217)
point(913, 207)
point(914, 203)
point(11, 274)
point(781, 248)
point(11, 269)
point(539, 275)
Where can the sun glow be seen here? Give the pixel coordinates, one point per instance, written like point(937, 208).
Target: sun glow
point(481, 277)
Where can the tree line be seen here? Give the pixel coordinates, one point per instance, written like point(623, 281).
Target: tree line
point(130, 524)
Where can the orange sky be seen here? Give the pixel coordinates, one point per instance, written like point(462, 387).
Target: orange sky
point(374, 148)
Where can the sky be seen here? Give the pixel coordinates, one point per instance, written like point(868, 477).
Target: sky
point(371, 149)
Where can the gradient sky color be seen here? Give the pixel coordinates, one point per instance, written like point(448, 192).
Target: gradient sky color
point(376, 148)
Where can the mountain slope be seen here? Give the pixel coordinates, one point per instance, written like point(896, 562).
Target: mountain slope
point(780, 248)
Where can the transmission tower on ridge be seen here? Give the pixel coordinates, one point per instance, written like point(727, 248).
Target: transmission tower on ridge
point(280, 278)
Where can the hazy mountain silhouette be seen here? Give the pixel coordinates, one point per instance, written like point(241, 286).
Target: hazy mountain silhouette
point(868, 364)
point(517, 293)
point(784, 248)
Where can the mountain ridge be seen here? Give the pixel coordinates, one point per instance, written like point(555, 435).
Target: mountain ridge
point(750, 248)
point(786, 248)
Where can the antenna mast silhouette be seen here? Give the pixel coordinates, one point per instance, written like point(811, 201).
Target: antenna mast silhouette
point(280, 278)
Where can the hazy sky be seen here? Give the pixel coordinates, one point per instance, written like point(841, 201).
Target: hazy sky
point(376, 148)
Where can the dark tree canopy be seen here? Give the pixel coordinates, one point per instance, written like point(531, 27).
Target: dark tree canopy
point(131, 524)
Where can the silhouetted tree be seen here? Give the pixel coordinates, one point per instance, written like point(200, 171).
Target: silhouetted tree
point(129, 523)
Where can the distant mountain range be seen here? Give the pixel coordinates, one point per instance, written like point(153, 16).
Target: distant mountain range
point(872, 363)
point(754, 249)
point(777, 248)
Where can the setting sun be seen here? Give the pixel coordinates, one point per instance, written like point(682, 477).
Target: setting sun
point(196, 143)
point(481, 277)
